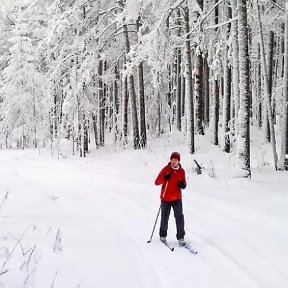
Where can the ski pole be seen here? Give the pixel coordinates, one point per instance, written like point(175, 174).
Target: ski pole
point(154, 225)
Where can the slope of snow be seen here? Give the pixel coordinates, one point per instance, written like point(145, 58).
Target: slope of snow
point(77, 222)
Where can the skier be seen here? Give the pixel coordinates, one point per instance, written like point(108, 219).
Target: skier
point(172, 178)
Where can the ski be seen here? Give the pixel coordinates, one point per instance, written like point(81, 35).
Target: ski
point(168, 246)
point(190, 249)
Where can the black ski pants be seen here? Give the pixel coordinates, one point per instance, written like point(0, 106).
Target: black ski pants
point(178, 214)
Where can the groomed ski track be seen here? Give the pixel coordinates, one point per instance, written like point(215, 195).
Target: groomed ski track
point(106, 210)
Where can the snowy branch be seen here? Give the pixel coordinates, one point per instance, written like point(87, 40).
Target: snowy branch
point(202, 19)
point(176, 27)
point(108, 27)
point(114, 33)
point(222, 24)
point(278, 6)
point(7, 20)
point(55, 69)
point(109, 37)
point(174, 7)
point(104, 13)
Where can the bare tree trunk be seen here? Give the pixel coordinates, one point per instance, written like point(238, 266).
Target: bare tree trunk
point(206, 90)
point(199, 94)
point(235, 62)
point(142, 114)
point(266, 88)
point(135, 124)
point(178, 78)
point(282, 49)
point(159, 114)
point(94, 113)
point(125, 96)
point(82, 135)
point(270, 62)
point(174, 81)
point(183, 95)
point(80, 128)
point(170, 86)
point(189, 83)
point(125, 111)
point(107, 102)
point(101, 104)
point(178, 89)
point(86, 136)
point(198, 89)
point(23, 130)
point(283, 161)
point(116, 102)
point(132, 95)
point(258, 89)
point(266, 129)
point(95, 128)
point(227, 86)
point(84, 125)
point(35, 141)
point(215, 112)
point(215, 97)
point(243, 140)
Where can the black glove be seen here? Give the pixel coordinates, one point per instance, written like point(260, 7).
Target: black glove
point(167, 176)
point(182, 185)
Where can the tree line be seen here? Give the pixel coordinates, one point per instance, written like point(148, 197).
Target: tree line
point(121, 71)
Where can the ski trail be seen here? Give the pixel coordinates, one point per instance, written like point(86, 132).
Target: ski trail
point(229, 217)
point(106, 217)
point(115, 238)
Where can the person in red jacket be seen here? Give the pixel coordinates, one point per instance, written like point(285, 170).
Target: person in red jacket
point(173, 180)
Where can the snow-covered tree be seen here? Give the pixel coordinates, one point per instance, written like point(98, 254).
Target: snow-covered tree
point(127, 70)
point(22, 76)
point(283, 161)
point(243, 140)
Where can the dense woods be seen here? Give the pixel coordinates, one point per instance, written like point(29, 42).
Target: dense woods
point(124, 71)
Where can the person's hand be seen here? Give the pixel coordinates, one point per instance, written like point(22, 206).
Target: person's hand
point(182, 185)
point(167, 176)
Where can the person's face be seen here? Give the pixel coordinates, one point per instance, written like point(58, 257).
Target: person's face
point(174, 162)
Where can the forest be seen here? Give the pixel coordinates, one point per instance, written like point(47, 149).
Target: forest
point(121, 72)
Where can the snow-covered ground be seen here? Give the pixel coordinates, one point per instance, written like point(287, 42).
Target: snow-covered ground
point(85, 223)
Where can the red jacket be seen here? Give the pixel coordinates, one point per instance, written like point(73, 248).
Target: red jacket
point(170, 190)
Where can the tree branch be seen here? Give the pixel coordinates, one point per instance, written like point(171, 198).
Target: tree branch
point(203, 18)
point(278, 6)
point(222, 24)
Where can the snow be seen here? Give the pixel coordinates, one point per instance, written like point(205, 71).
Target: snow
point(103, 208)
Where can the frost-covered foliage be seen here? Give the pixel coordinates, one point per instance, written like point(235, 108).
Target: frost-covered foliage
point(22, 75)
point(72, 69)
